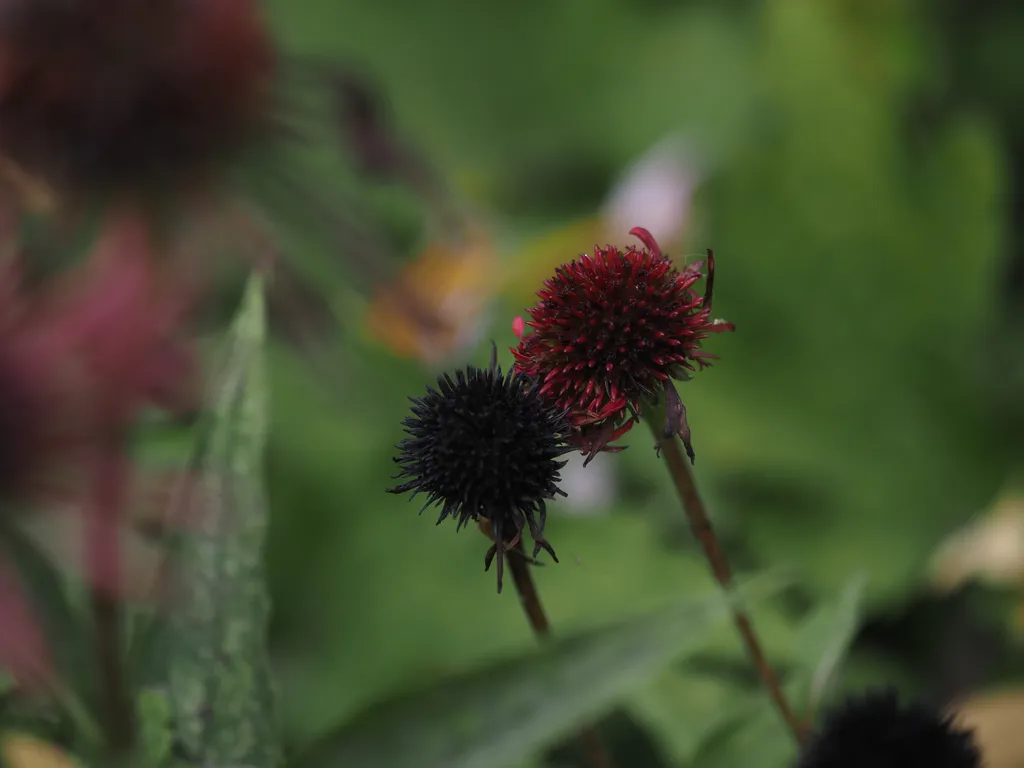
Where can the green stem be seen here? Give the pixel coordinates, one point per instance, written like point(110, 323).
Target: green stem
point(103, 555)
point(700, 524)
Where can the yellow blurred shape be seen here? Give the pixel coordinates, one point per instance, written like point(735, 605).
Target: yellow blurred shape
point(22, 751)
point(455, 283)
point(990, 549)
point(996, 720)
point(34, 194)
point(536, 261)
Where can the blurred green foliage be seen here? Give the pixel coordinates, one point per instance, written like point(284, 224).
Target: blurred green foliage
point(854, 420)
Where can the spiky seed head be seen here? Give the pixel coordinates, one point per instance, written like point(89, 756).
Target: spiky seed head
point(875, 729)
point(484, 445)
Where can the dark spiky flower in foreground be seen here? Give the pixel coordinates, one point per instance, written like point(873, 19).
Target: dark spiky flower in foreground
point(614, 329)
point(876, 730)
point(484, 446)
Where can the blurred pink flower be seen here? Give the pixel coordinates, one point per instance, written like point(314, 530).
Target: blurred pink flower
point(77, 362)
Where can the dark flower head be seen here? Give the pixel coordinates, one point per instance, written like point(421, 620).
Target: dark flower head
point(103, 95)
point(876, 730)
point(614, 329)
point(484, 446)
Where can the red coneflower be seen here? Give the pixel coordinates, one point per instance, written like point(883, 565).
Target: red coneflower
point(613, 330)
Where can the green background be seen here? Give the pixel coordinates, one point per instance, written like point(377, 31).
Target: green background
point(860, 158)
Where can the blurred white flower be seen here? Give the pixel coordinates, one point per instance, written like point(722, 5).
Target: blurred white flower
point(656, 192)
point(592, 489)
point(991, 548)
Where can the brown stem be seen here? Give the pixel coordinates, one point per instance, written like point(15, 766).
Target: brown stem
point(700, 525)
point(104, 567)
point(527, 591)
point(526, 588)
point(118, 715)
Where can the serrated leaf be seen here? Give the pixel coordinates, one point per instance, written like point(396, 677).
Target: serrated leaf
point(210, 650)
point(503, 713)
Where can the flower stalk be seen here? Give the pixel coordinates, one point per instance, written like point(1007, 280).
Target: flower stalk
point(610, 333)
point(103, 554)
point(700, 524)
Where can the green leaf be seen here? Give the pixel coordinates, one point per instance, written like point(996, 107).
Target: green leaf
point(754, 735)
point(61, 624)
point(503, 713)
point(156, 727)
point(209, 666)
point(826, 638)
point(704, 699)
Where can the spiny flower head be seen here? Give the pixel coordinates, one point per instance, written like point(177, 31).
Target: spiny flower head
point(109, 95)
point(614, 329)
point(876, 730)
point(485, 446)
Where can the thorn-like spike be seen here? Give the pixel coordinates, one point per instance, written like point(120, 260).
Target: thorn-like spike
point(710, 284)
point(497, 535)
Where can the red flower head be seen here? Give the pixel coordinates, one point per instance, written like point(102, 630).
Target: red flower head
point(119, 95)
point(612, 330)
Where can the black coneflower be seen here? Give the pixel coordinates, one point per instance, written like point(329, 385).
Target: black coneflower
point(485, 446)
point(876, 730)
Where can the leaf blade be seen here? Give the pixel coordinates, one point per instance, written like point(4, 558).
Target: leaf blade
point(543, 694)
point(828, 636)
point(211, 647)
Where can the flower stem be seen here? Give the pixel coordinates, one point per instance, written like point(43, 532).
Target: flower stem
point(700, 525)
point(118, 713)
point(104, 555)
point(529, 598)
